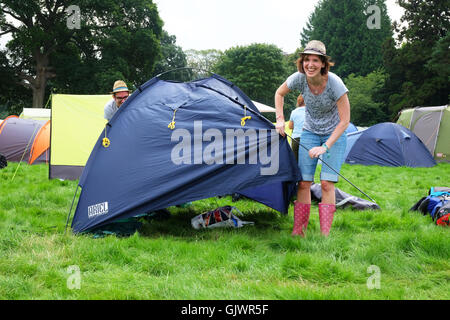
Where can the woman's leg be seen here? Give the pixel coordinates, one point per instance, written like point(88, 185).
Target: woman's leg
point(302, 208)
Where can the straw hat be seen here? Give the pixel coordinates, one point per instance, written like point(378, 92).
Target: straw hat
point(119, 86)
point(315, 47)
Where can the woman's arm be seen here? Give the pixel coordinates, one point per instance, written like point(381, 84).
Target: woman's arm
point(279, 103)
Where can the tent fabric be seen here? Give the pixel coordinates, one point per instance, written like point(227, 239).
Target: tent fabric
point(389, 144)
point(263, 107)
point(35, 113)
point(343, 199)
point(352, 137)
point(432, 126)
point(351, 128)
point(77, 121)
point(149, 166)
point(275, 195)
point(41, 143)
point(17, 137)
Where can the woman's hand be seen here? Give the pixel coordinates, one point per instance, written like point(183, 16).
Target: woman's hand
point(279, 102)
point(280, 127)
point(317, 151)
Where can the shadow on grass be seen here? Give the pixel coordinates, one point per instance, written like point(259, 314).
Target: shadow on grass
point(178, 224)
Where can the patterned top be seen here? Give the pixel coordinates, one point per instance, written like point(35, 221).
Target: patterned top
point(321, 114)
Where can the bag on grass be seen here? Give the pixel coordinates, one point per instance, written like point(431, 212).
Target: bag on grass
point(217, 218)
point(436, 204)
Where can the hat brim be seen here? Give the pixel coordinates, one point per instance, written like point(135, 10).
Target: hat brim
point(317, 53)
point(120, 90)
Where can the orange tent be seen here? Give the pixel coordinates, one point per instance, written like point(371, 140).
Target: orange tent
point(25, 139)
point(41, 143)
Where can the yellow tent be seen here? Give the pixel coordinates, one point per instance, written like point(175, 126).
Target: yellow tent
point(77, 121)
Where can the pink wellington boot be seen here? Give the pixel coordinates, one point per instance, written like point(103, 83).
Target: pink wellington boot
point(326, 214)
point(301, 218)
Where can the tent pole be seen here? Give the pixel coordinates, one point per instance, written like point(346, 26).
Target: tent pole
point(70, 212)
point(333, 170)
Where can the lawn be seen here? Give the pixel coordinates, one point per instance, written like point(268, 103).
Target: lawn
point(386, 254)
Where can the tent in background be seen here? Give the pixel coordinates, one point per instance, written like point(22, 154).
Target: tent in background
point(77, 121)
point(35, 113)
point(165, 148)
point(432, 126)
point(351, 139)
point(25, 139)
point(263, 108)
point(389, 144)
point(351, 128)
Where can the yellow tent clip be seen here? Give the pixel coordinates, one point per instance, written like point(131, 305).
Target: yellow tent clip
point(105, 141)
point(245, 118)
point(171, 125)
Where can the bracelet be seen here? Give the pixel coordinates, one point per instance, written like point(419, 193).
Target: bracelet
point(326, 147)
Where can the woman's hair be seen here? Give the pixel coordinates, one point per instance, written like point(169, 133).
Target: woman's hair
point(300, 100)
point(324, 59)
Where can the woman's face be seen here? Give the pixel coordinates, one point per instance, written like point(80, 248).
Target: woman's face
point(312, 65)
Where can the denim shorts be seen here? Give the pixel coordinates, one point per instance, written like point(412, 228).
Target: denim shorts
point(334, 157)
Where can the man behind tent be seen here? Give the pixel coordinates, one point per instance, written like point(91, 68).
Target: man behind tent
point(120, 93)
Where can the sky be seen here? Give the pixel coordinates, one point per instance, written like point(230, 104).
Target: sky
point(222, 24)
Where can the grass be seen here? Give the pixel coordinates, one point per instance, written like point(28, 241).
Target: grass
point(170, 260)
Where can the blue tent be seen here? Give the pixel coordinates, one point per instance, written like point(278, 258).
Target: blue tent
point(352, 137)
point(389, 144)
point(171, 143)
point(351, 128)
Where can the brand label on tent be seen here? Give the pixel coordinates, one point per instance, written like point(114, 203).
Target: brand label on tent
point(98, 209)
point(237, 146)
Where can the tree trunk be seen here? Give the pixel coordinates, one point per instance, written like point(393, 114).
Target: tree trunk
point(40, 81)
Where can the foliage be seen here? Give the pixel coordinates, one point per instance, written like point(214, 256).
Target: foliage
point(114, 40)
point(343, 27)
point(169, 260)
point(257, 69)
point(418, 70)
point(364, 91)
point(202, 62)
point(172, 57)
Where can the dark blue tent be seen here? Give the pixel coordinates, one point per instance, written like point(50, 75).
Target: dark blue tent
point(352, 137)
point(389, 144)
point(171, 143)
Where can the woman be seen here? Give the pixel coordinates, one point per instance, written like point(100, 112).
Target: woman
point(327, 115)
point(296, 124)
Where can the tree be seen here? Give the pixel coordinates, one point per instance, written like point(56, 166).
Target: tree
point(81, 44)
point(364, 91)
point(13, 97)
point(418, 70)
point(353, 32)
point(172, 57)
point(203, 61)
point(257, 69)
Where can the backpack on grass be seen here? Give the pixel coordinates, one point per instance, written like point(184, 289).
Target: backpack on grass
point(436, 204)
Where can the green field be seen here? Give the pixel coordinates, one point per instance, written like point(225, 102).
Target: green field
point(386, 254)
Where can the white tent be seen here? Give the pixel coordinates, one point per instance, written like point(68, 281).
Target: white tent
point(35, 113)
point(262, 107)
